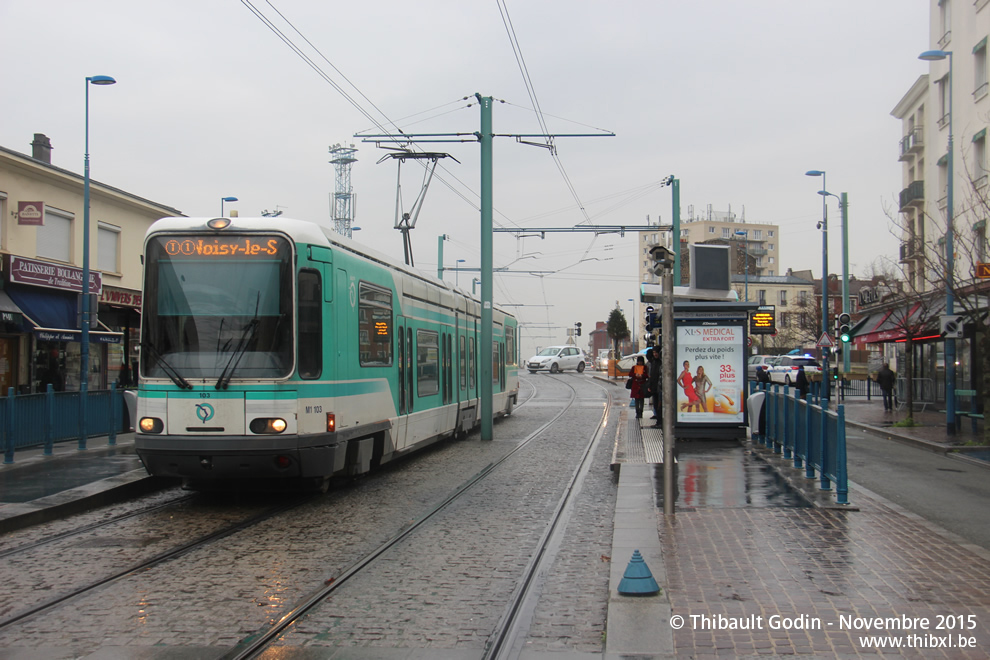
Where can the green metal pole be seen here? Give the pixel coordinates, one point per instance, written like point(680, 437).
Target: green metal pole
point(676, 228)
point(485, 350)
point(844, 208)
point(440, 256)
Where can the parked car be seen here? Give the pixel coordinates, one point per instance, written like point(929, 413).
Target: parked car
point(557, 358)
point(758, 361)
point(786, 368)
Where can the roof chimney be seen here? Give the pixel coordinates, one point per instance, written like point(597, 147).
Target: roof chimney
point(41, 148)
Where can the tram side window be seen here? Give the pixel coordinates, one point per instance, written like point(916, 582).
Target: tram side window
point(473, 378)
point(510, 345)
point(375, 326)
point(427, 363)
point(462, 359)
point(310, 345)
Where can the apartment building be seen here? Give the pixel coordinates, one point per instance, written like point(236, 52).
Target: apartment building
point(41, 243)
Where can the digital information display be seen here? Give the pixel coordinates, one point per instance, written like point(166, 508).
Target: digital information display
point(763, 321)
point(225, 246)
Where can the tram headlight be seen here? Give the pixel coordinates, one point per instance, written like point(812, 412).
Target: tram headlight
point(151, 425)
point(268, 425)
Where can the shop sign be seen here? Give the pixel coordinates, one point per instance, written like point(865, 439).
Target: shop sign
point(122, 297)
point(52, 276)
point(30, 213)
point(65, 335)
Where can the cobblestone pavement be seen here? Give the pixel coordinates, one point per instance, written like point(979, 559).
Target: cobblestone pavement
point(822, 575)
point(447, 586)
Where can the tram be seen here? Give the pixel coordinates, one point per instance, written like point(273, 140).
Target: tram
point(284, 352)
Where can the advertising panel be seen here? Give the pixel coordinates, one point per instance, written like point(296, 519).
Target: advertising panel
point(711, 371)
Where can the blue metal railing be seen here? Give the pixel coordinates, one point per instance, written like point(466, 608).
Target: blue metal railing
point(41, 420)
point(813, 437)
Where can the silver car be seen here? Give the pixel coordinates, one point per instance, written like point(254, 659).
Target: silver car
point(557, 358)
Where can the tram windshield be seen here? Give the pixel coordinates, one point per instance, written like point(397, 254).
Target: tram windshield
point(217, 307)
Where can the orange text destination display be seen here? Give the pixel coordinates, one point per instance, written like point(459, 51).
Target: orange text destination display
point(763, 321)
point(225, 246)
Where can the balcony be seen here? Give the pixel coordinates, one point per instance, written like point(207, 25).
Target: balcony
point(912, 143)
point(914, 194)
point(909, 251)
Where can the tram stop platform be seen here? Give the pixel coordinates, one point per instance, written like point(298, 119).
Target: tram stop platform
point(36, 488)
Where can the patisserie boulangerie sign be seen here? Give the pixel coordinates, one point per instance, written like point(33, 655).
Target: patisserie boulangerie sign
point(50, 275)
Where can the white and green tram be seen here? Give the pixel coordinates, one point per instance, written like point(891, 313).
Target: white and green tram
point(280, 350)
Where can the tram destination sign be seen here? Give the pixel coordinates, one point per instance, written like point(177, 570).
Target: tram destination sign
point(763, 321)
point(227, 245)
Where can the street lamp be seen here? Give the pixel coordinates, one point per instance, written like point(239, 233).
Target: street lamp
point(745, 233)
point(457, 271)
point(225, 199)
point(844, 214)
point(823, 225)
point(950, 342)
point(84, 335)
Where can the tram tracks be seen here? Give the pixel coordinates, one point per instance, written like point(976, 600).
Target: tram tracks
point(509, 634)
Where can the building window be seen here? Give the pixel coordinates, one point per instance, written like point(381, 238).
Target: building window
point(945, 22)
point(979, 165)
point(761, 296)
point(711, 230)
point(980, 241)
point(783, 298)
point(108, 248)
point(770, 233)
point(726, 232)
point(55, 236)
point(980, 70)
point(943, 101)
point(758, 234)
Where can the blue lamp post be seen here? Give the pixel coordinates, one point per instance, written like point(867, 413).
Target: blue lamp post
point(823, 225)
point(950, 342)
point(225, 199)
point(745, 234)
point(85, 300)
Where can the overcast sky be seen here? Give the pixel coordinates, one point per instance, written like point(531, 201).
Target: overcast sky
point(736, 99)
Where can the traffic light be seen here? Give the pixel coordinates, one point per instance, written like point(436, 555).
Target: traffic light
point(577, 328)
point(651, 318)
point(844, 331)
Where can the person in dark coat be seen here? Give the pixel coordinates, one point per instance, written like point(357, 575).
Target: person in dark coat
point(653, 363)
point(885, 379)
point(639, 376)
point(762, 376)
point(801, 383)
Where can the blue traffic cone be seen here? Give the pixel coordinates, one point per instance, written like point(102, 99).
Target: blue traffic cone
point(638, 581)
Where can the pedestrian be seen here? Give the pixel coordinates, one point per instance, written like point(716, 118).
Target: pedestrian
point(702, 384)
point(653, 363)
point(801, 383)
point(886, 379)
point(639, 376)
point(762, 376)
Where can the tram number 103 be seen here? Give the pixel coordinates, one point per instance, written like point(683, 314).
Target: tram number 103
point(314, 409)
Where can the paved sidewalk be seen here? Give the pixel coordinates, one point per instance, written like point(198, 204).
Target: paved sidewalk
point(819, 581)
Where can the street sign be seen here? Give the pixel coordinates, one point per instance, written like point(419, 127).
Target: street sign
point(982, 270)
point(825, 341)
point(951, 326)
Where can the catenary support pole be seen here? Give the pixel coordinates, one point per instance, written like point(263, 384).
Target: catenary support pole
point(669, 378)
point(485, 350)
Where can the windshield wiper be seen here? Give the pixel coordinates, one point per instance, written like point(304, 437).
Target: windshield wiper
point(169, 370)
point(242, 345)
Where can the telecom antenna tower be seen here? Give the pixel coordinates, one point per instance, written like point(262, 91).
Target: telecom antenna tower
point(342, 202)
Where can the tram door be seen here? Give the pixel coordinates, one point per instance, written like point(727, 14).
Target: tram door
point(404, 379)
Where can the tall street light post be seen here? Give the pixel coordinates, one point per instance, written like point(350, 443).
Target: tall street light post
point(823, 225)
point(745, 234)
point(457, 272)
point(634, 312)
point(225, 199)
point(85, 300)
point(950, 342)
point(844, 213)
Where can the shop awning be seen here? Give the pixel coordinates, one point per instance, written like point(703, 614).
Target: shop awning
point(9, 311)
point(52, 316)
point(889, 325)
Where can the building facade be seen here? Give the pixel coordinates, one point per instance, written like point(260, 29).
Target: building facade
point(41, 243)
